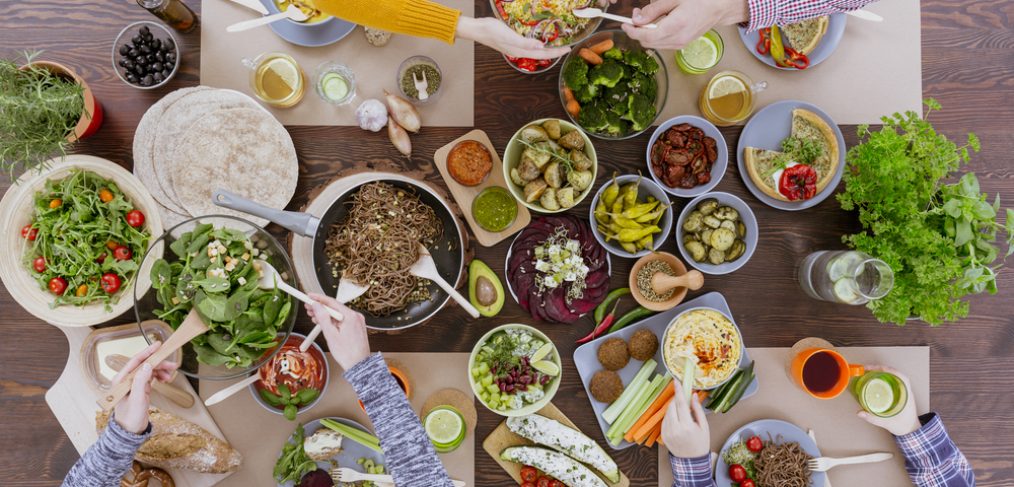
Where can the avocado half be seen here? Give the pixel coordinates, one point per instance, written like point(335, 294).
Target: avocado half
point(485, 291)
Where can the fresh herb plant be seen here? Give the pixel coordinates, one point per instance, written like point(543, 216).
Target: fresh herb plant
point(216, 271)
point(939, 239)
point(289, 402)
point(293, 463)
point(39, 109)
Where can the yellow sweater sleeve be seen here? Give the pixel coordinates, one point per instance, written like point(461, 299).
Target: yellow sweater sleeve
point(420, 18)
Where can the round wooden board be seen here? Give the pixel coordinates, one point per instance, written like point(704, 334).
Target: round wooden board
point(803, 344)
point(452, 397)
point(16, 212)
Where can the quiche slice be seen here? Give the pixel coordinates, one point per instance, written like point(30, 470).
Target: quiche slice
point(806, 35)
point(765, 167)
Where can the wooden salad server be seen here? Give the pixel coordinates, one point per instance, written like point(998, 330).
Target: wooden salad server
point(232, 389)
point(192, 326)
point(168, 390)
point(427, 269)
point(270, 280)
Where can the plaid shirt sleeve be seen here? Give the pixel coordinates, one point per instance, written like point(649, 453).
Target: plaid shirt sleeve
point(691, 472)
point(932, 459)
point(765, 13)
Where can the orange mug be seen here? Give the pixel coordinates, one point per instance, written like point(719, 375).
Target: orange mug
point(823, 373)
point(401, 378)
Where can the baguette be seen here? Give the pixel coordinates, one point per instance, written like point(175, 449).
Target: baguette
point(178, 443)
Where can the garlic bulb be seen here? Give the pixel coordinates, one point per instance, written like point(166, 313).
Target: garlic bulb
point(371, 115)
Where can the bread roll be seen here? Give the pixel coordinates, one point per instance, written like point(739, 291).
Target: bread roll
point(178, 443)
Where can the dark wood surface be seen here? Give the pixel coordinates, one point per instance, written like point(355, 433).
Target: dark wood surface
point(968, 65)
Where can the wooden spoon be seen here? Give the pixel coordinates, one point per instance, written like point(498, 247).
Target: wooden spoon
point(427, 269)
point(169, 390)
point(192, 326)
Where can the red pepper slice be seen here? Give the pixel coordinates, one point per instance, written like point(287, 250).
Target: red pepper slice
point(796, 59)
point(798, 182)
point(764, 44)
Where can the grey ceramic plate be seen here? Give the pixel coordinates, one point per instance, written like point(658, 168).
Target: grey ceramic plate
point(745, 214)
point(717, 170)
point(835, 30)
point(645, 188)
point(781, 432)
point(317, 34)
point(587, 362)
point(351, 451)
point(766, 130)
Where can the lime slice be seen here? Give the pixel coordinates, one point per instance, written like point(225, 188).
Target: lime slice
point(334, 86)
point(542, 352)
point(445, 427)
point(840, 265)
point(728, 85)
point(702, 53)
point(878, 396)
point(547, 367)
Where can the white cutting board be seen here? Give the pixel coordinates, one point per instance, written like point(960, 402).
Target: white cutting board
point(74, 403)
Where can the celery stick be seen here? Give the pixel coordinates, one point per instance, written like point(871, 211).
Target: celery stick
point(635, 409)
point(354, 434)
point(639, 395)
point(614, 409)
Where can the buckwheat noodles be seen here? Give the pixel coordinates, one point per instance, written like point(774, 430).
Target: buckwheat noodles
point(782, 465)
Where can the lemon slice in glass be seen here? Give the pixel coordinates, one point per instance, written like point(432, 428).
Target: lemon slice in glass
point(728, 85)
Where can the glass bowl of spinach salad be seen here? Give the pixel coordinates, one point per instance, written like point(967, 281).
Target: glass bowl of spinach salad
point(213, 263)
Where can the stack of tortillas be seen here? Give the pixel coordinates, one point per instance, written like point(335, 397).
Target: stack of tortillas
point(196, 140)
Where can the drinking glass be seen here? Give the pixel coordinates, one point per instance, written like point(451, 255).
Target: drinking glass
point(276, 79)
point(845, 276)
point(729, 98)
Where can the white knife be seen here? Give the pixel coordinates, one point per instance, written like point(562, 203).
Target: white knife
point(252, 5)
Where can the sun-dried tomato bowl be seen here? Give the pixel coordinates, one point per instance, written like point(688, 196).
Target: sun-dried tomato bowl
point(717, 169)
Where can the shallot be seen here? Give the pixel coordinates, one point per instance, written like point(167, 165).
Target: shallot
point(399, 137)
point(403, 112)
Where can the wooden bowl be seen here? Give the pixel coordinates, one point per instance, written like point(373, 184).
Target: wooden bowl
point(677, 265)
point(16, 212)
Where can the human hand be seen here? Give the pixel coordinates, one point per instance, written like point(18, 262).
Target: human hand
point(499, 36)
point(131, 413)
point(685, 427)
point(347, 339)
point(682, 21)
point(903, 423)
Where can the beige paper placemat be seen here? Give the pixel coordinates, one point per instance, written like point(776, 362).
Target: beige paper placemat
point(839, 432)
point(875, 71)
point(259, 434)
point(375, 68)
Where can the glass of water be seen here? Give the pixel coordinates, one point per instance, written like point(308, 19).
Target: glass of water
point(845, 276)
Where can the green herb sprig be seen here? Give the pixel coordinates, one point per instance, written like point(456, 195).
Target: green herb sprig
point(289, 402)
point(293, 463)
point(939, 239)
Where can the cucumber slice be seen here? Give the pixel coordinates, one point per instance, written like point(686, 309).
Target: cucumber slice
point(845, 291)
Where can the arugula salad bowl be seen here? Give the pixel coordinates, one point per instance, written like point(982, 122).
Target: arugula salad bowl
point(212, 263)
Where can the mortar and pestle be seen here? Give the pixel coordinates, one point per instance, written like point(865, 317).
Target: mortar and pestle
point(661, 283)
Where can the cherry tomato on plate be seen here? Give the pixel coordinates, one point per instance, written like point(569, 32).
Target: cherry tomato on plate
point(57, 285)
point(737, 473)
point(122, 253)
point(747, 483)
point(543, 482)
point(135, 218)
point(29, 232)
point(529, 474)
point(110, 283)
point(39, 264)
point(754, 444)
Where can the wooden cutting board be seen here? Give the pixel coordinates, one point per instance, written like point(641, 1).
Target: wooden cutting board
point(73, 401)
point(502, 438)
point(464, 195)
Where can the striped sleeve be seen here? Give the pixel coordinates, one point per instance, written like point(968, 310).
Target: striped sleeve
point(408, 453)
point(765, 13)
point(932, 459)
point(108, 460)
point(691, 472)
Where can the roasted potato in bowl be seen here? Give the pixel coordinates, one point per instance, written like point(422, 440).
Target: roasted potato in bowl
point(550, 165)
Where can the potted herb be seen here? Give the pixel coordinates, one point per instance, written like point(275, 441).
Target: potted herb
point(940, 239)
point(46, 107)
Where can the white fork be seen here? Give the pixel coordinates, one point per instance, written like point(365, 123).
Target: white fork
point(824, 464)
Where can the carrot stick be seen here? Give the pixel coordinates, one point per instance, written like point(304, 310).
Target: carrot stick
point(667, 393)
point(649, 425)
point(654, 436)
point(601, 47)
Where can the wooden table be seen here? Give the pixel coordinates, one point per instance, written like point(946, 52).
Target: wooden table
point(968, 65)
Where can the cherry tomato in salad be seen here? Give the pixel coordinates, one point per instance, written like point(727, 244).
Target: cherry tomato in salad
point(528, 64)
point(81, 291)
point(798, 182)
point(57, 285)
point(39, 264)
point(754, 444)
point(135, 218)
point(556, 483)
point(111, 245)
point(110, 283)
point(55, 203)
point(543, 482)
point(29, 232)
point(101, 259)
point(527, 484)
point(105, 195)
point(747, 483)
point(122, 252)
point(529, 474)
point(737, 473)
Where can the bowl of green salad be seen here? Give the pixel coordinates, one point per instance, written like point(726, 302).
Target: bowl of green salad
point(213, 264)
point(514, 370)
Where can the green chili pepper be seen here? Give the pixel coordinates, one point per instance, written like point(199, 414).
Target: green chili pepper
point(610, 193)
point(631, 316)
point(600, 310)
point(632, 235)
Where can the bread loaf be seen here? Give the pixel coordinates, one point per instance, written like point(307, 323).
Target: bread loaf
point(178, 443)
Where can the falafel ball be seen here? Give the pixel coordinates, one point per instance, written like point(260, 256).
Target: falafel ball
point(643, 345)
point(613, 354)
point(606, 386)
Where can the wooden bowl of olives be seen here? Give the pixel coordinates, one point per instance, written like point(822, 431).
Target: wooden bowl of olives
point(716, 233)
point(146, 55)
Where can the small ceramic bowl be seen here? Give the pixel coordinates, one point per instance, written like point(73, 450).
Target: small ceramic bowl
point(295, 340)
point(717, 169)
point(543, 69)
point(645, 188)
point(745, 214)
point(512, 157)
point(159, 32)
point(694, 281)
point(550, 388)
point(412, 61)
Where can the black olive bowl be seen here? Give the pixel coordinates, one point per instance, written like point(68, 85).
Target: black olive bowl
point(146, 55)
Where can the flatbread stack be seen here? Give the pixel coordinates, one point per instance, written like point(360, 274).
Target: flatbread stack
point(196, 140)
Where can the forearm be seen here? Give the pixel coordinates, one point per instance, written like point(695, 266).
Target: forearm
point(691, 472)
point(105, 462)
point(408, 453)
point(765, 13)
point(932, 459)
point(420, 18)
